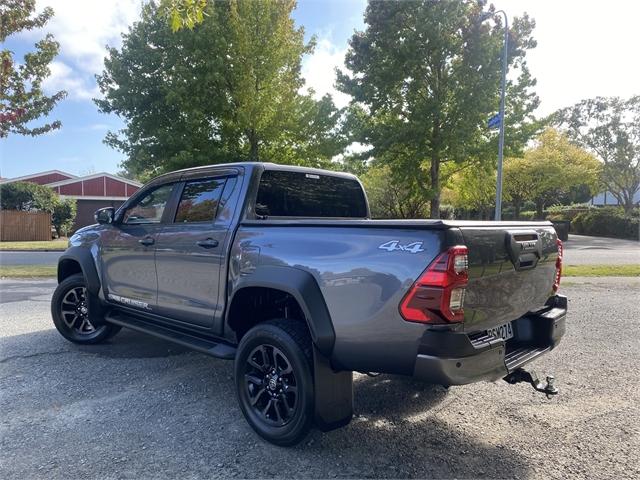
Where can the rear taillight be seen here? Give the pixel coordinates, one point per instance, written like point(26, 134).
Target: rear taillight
point(556, 281)
point(437, 297)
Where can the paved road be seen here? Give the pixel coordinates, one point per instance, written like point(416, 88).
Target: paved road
point(143, 408)
point(582, 250)
point(29, 258)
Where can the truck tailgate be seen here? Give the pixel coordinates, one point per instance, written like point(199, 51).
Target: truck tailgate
point(511, 272)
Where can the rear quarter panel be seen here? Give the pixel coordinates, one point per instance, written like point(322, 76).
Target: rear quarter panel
point(361, 283)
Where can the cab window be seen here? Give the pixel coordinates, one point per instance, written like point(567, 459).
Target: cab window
point(150, 207)
point(200, 200)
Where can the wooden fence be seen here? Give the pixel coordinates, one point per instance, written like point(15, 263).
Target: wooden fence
point(16, 226)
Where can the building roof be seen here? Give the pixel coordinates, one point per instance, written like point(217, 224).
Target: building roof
point(26, 178)
point(89, 187)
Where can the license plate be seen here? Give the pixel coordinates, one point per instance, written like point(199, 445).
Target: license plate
point(502, 331)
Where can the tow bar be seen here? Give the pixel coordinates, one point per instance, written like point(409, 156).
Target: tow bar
point(521, 375)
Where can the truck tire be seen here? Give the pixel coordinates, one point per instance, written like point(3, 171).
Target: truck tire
point(71, 315)
point(274, 380)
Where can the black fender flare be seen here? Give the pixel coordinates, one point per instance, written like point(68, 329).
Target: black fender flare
point(302, 286)
point(83, 257)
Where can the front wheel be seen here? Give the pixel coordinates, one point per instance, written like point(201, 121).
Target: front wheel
point(274, 380)
point(71, 315)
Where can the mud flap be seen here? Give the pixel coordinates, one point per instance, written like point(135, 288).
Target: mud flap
point(333, 394)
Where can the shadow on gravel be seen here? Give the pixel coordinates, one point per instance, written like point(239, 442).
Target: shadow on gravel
point(396, 432)
point(131, 344)
point(184, 421)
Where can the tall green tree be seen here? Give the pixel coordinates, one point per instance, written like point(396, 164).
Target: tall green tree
point(428, 74)
point(550, 170)
point(473, 189)
point(388, 198)
point(226, 90)
point(610, 128)
point(21, 97)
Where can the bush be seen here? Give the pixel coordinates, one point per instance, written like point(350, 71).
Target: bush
point(64, 214)
point(566, 212)
point(27, 197)
point(606, 222)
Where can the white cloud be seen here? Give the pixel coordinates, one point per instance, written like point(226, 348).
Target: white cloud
point(83, 28)
point(319, 71)
point(63, 77)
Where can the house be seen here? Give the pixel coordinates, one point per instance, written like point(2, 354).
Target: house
point(91, 192)
point(607, 198)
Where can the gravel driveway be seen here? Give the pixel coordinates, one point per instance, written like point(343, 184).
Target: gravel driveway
point(143, 408)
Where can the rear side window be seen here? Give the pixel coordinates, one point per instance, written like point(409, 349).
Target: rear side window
point(299, 194)
point(199, 200)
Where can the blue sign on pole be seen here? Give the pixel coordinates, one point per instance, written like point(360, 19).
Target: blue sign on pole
point(494, 121)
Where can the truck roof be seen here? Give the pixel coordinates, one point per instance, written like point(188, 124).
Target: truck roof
point(256, 165)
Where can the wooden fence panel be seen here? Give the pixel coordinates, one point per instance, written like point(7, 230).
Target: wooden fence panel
point(16, 226)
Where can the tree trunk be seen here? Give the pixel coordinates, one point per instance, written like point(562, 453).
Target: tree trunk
point(516, 210)
point(539, 210)
point(253, 146)
point(435, 186)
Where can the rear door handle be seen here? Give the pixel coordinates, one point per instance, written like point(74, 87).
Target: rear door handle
point(208, 243)
point(146, 241)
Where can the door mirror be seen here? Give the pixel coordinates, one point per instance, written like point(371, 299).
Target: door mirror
point(104, 215)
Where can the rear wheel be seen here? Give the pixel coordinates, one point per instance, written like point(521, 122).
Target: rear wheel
point(274, 380)
point(71, 315)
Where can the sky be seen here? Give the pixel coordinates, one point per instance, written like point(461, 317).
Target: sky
point(585, 49)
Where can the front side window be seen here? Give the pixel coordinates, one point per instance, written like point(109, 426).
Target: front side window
point(199, 201)
point(150, 207)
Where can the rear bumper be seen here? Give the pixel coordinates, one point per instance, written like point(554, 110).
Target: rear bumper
point(448, 358)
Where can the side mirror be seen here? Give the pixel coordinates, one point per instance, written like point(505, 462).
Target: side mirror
point(104, 215)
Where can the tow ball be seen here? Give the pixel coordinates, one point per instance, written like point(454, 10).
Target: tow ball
point(521, 375)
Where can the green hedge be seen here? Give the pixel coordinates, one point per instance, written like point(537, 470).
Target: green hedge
point(606, 222)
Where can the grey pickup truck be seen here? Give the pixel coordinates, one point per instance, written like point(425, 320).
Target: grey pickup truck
point(280, 269)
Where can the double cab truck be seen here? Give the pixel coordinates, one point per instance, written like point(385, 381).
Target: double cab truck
point(282, 270)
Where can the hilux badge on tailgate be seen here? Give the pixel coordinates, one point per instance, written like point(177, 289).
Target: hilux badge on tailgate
point(528, 245)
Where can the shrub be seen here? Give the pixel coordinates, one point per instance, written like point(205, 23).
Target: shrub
point(606, 222)
point(64, 214)
point(566, 212)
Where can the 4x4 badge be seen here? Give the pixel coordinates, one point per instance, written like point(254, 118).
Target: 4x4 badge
point(394, 246)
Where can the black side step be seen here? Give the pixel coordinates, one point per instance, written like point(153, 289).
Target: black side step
point(204, 345)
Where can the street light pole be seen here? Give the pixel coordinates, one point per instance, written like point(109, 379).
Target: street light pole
point(498, 215)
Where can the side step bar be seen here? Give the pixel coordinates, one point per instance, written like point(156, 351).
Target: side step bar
point(204, 345)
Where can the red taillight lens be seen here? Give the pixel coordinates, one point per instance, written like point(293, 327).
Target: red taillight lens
point(556, 281)
point(437, 297)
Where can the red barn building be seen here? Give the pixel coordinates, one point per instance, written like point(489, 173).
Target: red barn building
point(91, 192)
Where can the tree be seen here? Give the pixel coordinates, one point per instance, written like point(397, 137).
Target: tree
point(549, 170)
point(183, 13)
point(610, 128)
point(226, 90)
point(473, 189)
point(428, 75)
point(517, 182)
point(63, 215)
point(27, 197)
point(388, 199)
point(21, 97)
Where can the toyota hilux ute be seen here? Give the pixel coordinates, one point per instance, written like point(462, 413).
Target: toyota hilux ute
point(281, 269)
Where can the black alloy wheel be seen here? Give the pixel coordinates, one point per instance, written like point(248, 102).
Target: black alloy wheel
point(271, 385)
point(72, 316)
point(274, 380)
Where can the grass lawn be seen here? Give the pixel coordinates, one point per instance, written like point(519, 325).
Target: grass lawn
point(60, 244)
point(601, 270)
point(27, 271)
